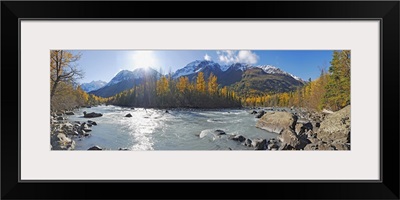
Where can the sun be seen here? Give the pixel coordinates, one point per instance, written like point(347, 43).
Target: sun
point(144, 59)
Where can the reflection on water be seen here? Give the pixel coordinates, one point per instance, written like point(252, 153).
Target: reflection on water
point(154, 129)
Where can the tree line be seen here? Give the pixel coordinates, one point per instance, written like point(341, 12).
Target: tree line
point(180, 93)
point(331, 90)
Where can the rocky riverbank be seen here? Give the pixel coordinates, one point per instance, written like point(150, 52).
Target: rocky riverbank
point(64, 133)
point(299, 130)
point(295, 129)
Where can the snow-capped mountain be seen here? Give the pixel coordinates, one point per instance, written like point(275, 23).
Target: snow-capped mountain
point(129, 75)
point(269, 69)
point(94, 85)
point(197, 66)
point(125, 80)
point(240, 66)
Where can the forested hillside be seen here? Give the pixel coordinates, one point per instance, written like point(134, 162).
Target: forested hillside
point(181, 93)
point(331, 90)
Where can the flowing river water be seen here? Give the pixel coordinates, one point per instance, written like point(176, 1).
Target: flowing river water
point(179, 129)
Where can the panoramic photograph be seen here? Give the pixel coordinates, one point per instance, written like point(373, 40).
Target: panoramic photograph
point(201, 100)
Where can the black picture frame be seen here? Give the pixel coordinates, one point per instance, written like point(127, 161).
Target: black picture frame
point(386, 11)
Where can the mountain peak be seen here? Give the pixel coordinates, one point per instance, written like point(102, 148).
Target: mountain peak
point(93, 85)
point(275, 70)
point(197, 66)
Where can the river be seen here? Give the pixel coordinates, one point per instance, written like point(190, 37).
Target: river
point(154, 129)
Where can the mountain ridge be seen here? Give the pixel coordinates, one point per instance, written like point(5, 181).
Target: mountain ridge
point(240, 76)
point(93, 85)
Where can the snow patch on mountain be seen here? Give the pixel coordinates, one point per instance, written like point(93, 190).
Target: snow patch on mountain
point(195, 67)
point(138, 73)
point(94, 85)
point(269, 69)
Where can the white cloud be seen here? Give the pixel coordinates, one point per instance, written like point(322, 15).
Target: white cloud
point(242, 56)
point(207, 57)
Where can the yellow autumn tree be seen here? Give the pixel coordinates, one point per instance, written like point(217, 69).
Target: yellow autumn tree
point(162, 86)
point(212, 84)
point(183, 84)
point(200, 83)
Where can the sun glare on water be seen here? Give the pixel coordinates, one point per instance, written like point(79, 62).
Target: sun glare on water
point(144, 59)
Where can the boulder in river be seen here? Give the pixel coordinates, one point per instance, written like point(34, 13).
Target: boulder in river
point(128, 115)
point(248, 142)
point(259, 144)
point(95, 148)
point(69, 113)
point(238, 138)
point(91, 115)
point(219, 132)
point(276, 122)
point(92, 122)
point(60, 118)
point(254, 112)
point(336, 127)
point(260, 114)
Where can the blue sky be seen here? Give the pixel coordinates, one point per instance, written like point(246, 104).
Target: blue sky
point(105, 64)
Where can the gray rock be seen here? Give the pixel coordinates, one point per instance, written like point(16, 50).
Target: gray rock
point(61, 142)
point(73, 133)
point(69, 113)
point(91, 115)
point(285, 147)
point(87, 129)
point(289, 137)
point(95, 148)
point(336, 126)
point(260, 114)
point(239, 138)
point(128, 115)
point(277, 121)
point(248, 142)
point(86, 134)
point(219, 132)
point(92, 122)
point(272, 146)
point(313, 140)
point(325, 147)
point(310, 147)
point(60, 118)
point(84, 126)
point(340, 146)
point(259, 144)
